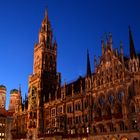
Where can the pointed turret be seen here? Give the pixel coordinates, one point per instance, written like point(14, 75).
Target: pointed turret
point(107, 41)
point(88, 65)
point(19, 90)
point(132, 48)
point(103, 47)
point(46, 15)
point(95, 63)
point(45, 34)
point(55, 44)
point(111, 42)
point(121, 52)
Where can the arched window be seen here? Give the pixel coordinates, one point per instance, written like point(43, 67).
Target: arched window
point(98, 112)
point(77, 106)
point(102, 81)
point(94, 129)
point(134, 124)
point(98, 82)
point(101, 101)
point(30, 114)
point(46, 58)
point(101, 128)
point(120, 96)
point(111, 126)
point(108, 110)
point(122, 126)
point(85, 103)
point(107, 79)
point(111, 99)
point(132, 108)
point(130, 92)
point(118, 108)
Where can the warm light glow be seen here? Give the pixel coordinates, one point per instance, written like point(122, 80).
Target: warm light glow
point(124, 138)
point(113, 138)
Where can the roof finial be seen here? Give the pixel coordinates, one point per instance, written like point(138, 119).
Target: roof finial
point(20, 89)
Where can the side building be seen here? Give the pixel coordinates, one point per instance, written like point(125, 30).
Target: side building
point(2, 112)
point(103, 105)
point(6, 116)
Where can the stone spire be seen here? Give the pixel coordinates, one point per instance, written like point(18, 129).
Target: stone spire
point(103, 46)
point(131, 43)
point(46, 15)
point(111, 42)
point(88, 65)
point(45, 34)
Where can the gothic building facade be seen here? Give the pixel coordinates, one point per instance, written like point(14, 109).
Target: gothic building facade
point(103, 105)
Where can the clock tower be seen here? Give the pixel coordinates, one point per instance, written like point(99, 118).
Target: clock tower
point(45, 81)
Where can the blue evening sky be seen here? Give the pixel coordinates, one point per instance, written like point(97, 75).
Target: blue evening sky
point(77, 25)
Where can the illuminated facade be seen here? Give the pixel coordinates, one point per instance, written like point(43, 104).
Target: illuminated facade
point(104, 105)
point(6, 116)
point(2, 126)
point(2, 112)
point(14, 93)
point(2, 96)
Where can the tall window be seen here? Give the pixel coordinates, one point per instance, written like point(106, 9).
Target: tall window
point(85, 104)
point(85, 118)
point(108, 110)
point(77, 106)
point(69, 108)
point(69, 120)
point(78, 119)
point(111, 99)
point(122, 126)
point(111, 127)
point(98, 112)
point(53, 112)
point(120, 95)
point(59, 110)
point(101, 101)
point(53, 122)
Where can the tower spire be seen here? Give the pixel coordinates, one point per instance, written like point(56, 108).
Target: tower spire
point(19, 89)
point(107, 42)
point(88, 65)
point(103, 47)
point(46, 14)
point(111, 42)
point(132, 48)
